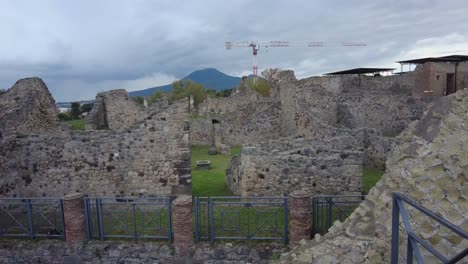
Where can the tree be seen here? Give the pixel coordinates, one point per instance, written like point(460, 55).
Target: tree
point(261, 86)
point(271, 74)
point(139, 100)
point(224, 93)
point(211, 92)
point(187, 88)
point(85, 108)
point(158, 95)
point(2, 91)
point(75, 110)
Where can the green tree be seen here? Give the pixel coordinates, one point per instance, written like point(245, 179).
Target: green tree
point(261, 86)
point(184, 89)
point(75, 110)
point(87, 107)
point(155, 97)
point(2, 91)
point(64, 116)
point(138, 99)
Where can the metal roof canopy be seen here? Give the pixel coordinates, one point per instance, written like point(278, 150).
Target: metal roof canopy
point(450, 58)
point(360, 71)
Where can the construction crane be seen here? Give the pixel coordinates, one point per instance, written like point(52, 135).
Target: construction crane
point(255, 45)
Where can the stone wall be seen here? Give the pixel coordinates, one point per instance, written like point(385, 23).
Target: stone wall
point(26, 108)
point(383, 103)
point(429, 164)
point(152, 157)
point(280, 167)
point(114, 110)
point(54, 251)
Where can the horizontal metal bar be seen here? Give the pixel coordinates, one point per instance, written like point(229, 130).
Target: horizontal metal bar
point(247, 197)
point(252, 203)
point(428, 247)
point(250, 238)
point(434, 216)
point(124, 236)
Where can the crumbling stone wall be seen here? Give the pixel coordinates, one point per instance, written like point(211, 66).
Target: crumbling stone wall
point(26, 108)
point(329, 163)
point(151, 157)
point(429, 164)
point(383, 103)
point(114, 110)
point(282, 166)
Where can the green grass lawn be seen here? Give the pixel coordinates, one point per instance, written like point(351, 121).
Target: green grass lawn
point(78, 124)
point(370, 176)
point(211, 182)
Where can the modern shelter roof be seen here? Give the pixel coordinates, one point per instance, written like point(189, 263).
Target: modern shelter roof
point(450, 58)
point(360, 71)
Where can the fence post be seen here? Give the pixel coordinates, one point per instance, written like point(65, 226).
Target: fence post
point(395, 229)
point(75, 223)
point(183, 227)
point(300, 209)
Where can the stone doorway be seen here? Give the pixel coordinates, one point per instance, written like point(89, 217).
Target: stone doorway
point(450, 84)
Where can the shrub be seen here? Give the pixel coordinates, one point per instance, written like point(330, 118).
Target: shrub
point(64, 117)
point(260, 86)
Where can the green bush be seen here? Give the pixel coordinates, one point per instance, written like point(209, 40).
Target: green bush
point(64, 117)
point(260, 86)
point(156, 96)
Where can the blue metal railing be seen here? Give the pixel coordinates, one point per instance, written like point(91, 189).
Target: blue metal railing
point(414, 241)
point(128, 217)
point(31, 217)
point(241, 218)
point(326, 209)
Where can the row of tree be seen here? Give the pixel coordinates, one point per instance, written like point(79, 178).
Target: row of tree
point(186, 88)
point(76, 111)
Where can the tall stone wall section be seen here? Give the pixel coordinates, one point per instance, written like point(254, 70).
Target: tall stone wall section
point(26, 108)
point(114, 110)
point(152, 157)
point(282, 166)
point(383, 103)
point(428, 163)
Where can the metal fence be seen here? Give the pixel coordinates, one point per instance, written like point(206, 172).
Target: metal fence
point(241, 218)
point(31, 217)
point(128, 218)
point(413, 240)
point(327, 209)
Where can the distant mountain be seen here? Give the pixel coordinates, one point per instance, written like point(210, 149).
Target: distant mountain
point(211, 78)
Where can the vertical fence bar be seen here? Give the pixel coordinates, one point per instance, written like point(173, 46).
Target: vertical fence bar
point(248, 220)
point(169, 219)
point(99, 214)
point(211, 220)
point(409, 256)
point(134, 220)
point(62, 218)
point(30, 219)
point(329, 212)
point(286, 220)
point(395, 230)
point(87, 219)
point(314, 215)
point(197, 228)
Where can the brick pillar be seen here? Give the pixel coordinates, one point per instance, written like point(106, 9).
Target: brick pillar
point(300, 216)
point(75, 223)
point(182, 225)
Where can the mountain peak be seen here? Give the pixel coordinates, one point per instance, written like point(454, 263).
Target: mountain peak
point(211, 78)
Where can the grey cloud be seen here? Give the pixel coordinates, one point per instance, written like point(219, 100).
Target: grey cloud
point(80, 47)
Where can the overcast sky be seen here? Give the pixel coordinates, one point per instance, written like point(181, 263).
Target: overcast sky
point(82, 47)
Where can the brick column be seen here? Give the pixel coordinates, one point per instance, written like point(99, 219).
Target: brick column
point(75, 223)
point(300, 216)
point(182, 225)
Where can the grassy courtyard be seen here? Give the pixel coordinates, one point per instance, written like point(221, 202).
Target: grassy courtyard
point(211, 182)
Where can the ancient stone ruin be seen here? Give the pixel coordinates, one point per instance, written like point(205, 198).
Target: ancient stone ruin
point(429, 162)
point(314, 133)
point(28, 108)
point(142, 152)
